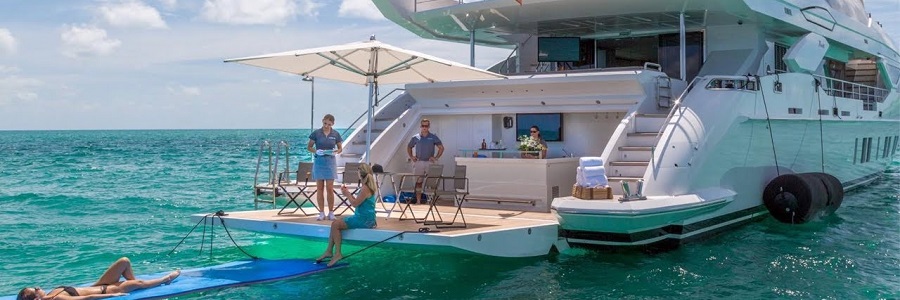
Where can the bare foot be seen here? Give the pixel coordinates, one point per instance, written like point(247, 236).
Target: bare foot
point(172, 276)
point(324, 256)
point(334, 260)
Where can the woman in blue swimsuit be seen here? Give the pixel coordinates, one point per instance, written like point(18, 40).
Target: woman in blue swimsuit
point(364, 217)
point(107, 286)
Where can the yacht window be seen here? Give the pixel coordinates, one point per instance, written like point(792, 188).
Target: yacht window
point(780, 51)
point(661, 49)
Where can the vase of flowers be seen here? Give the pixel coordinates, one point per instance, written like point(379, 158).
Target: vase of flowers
point(527, 143)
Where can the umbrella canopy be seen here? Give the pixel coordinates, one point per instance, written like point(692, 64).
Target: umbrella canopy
point(354, 62)
point(369, 63)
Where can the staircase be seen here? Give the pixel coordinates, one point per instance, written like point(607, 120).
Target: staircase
point(633, 156)
point(355, 142)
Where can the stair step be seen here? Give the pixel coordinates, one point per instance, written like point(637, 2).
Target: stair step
point(629, 163)
point(358, 142)
point(352, 155)
point(643, 134)
point(652, 115)
point(635, 148)
point(616, 179)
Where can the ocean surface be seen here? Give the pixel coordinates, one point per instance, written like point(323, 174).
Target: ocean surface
point(71, 202)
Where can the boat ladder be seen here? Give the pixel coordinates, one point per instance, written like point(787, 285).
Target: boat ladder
point(267, 184)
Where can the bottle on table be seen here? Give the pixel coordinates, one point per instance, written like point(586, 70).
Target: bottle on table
point(483, 144)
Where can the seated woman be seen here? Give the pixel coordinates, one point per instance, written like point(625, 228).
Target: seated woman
point(364, 217)
point(107, 286)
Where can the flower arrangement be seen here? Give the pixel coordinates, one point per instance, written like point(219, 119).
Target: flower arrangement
point(527, 143)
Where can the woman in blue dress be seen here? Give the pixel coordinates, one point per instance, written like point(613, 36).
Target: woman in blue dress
point(364, 217)
point(325, 143)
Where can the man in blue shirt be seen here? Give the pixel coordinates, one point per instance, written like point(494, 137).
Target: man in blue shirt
point(424, 142)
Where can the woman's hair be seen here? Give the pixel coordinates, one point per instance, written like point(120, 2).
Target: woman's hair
point(538, 130)
point(26, 294)
point(328, 117)
point(368, 177)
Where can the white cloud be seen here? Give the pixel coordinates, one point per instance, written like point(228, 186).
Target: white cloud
point(7, 42)
point(184, 90)
point(87, 40)
point(8, 69)
point(360, 9)
point(14, 89)
point(276, 12)
point(275, 94)
point(131, 14)
point(169, 4)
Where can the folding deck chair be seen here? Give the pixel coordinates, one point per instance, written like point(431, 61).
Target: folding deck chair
point(430, 182)
point(350, 178)
point(457, 190)
point(304, 187)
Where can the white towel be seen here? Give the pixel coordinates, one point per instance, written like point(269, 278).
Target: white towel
point(591, 176)
point(590, 161)
point(593, 171)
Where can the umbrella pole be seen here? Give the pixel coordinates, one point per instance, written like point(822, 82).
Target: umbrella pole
point(369, 116)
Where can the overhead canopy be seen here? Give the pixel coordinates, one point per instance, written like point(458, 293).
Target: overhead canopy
point(370, 63)
point(355, 61)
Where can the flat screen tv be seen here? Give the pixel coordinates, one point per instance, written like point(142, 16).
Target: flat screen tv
point(551, 125)
point(559, 49)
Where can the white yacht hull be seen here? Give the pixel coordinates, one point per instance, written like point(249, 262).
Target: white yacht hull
point(717, 154)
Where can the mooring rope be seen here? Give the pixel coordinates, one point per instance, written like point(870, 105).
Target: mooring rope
point(212, 223)
point(769, 121)
point(821, 131)
point(421, 230)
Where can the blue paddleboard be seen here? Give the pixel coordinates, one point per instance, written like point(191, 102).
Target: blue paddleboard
point(231, 274)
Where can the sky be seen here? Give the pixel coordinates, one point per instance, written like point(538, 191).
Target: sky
point(158, 64)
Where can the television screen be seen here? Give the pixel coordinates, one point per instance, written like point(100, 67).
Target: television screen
point(559, 49)
point(551, 125)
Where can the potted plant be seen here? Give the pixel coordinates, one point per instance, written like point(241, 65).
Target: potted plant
point(527, 143)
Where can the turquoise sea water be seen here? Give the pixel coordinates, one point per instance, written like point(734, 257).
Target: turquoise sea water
point(71, 202)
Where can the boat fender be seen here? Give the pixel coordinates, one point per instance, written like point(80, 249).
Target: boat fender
point(795, 198)
point(833, 188)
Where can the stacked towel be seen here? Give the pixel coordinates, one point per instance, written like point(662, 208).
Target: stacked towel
point(591, 172)
point(590, 161)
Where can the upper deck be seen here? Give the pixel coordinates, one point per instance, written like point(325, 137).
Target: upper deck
point(505, 23)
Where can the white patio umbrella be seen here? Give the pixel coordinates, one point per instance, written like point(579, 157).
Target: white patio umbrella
point(368, 63)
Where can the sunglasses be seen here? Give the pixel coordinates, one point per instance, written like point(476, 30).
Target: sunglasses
point(425, 126)
point(326, 123)
point(534, 131)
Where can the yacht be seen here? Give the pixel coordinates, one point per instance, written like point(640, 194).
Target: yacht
point(705, 114)
point(703, 103)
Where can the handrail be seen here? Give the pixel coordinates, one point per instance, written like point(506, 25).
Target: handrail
point(677, 104)
point(262, 146)
point(848, 89)
point(508, 57)
point(648, 64)
point(344, 133)
point(388, 94)
point(287, 160)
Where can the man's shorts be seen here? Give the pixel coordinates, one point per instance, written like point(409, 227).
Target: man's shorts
point(419, 167)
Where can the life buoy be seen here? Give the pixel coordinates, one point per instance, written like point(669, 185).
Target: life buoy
point(795, 198)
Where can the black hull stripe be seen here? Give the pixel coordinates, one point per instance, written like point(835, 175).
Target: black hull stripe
point(658, 232)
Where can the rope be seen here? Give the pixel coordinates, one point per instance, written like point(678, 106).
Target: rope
point(769, 121)
point(222, 221)
point(821, 131)
point(212, 223)
point(189, 233)
point(421, 230)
